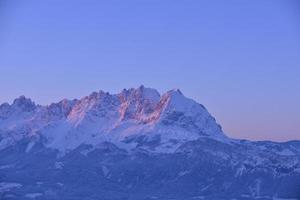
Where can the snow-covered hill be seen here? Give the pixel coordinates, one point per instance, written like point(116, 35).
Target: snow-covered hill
point(137, 144)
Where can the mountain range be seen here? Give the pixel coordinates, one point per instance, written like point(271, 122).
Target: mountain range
point(136, 145)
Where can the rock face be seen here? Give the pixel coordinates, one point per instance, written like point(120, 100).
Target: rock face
point(137, 144)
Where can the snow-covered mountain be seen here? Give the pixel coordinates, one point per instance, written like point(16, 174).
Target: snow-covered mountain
point(129, 116)
point(137, 144)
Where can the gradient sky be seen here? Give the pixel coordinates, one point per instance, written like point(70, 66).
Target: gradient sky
point(241, 59)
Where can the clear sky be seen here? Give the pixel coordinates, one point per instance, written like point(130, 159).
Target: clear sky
point(241, 59)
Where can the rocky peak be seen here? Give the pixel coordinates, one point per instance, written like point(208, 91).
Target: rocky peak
point(136, 103)
point(139, 94)
point(23, 103)
point(61, 109)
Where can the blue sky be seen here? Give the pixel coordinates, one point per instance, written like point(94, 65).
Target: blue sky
point(241, 59)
